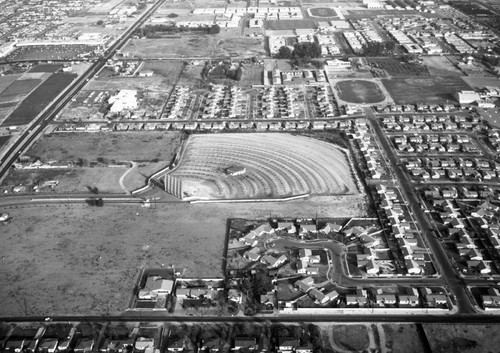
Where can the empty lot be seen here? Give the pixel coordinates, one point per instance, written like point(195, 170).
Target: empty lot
point(92, 153)
point(431, 90)
point(82, 260)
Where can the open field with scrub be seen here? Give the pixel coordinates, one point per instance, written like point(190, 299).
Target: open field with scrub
point(92, 153)
point(114, 146)
point(74, 180)
point(462, 338)
point(228, 42)
point(100, 250)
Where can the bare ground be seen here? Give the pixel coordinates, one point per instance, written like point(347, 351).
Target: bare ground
point(82, 260)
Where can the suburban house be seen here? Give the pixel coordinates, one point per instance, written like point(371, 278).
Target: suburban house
point(176, 345)
point(492, 299)
point(156, 286)
point(287, 344)
point(273, 262)
point(331, 227)
point(305, 284)
point(245, 343)
point(357, 299)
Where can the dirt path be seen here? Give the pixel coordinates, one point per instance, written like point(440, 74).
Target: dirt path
point(134, 164)
point(373, 342)
point(381, 335)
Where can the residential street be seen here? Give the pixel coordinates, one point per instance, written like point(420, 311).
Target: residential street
point(441, 259)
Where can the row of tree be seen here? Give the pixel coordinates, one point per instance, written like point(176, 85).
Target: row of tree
point(152, 31)
point(300, 51)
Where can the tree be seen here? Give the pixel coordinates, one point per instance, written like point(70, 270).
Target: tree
point(306, 50)
point(284, 53)
point(100, 22)
point(239, 74)
point(378, 49)
point(214, 29)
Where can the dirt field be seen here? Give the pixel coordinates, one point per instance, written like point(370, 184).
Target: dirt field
point(189, 46)
point(271, 168)
point(118, 146)
point(440, 66)
point(156, 82)
point(75, 180)
point(463, 338)
point(99, 251)
point(432, 90)
point(227, 43)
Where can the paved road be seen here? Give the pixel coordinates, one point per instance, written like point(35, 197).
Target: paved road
point(340, 317)
point(441, 258)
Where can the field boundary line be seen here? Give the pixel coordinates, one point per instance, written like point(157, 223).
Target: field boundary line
point(290, 198)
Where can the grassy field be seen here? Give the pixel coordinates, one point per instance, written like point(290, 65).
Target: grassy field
point(6, 81)
point(187, 45)
point(151, 151)
point(359, 91)
point(403, 338)
point(79, 180)
point(440, 66)
point(6, 109)
point(4, 140)
point(99, 251)
point(227, 43)
point(462, 338)
point(322, 12)
point(118, 146)
point(346, 338)
point(46, 68)
point(432, 90)
point(239, 47)
point(480, 82)
point(39, 99)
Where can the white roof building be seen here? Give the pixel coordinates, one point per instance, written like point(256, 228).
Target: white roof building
point(156, 286)
point(466, 97)
point(126, 99)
